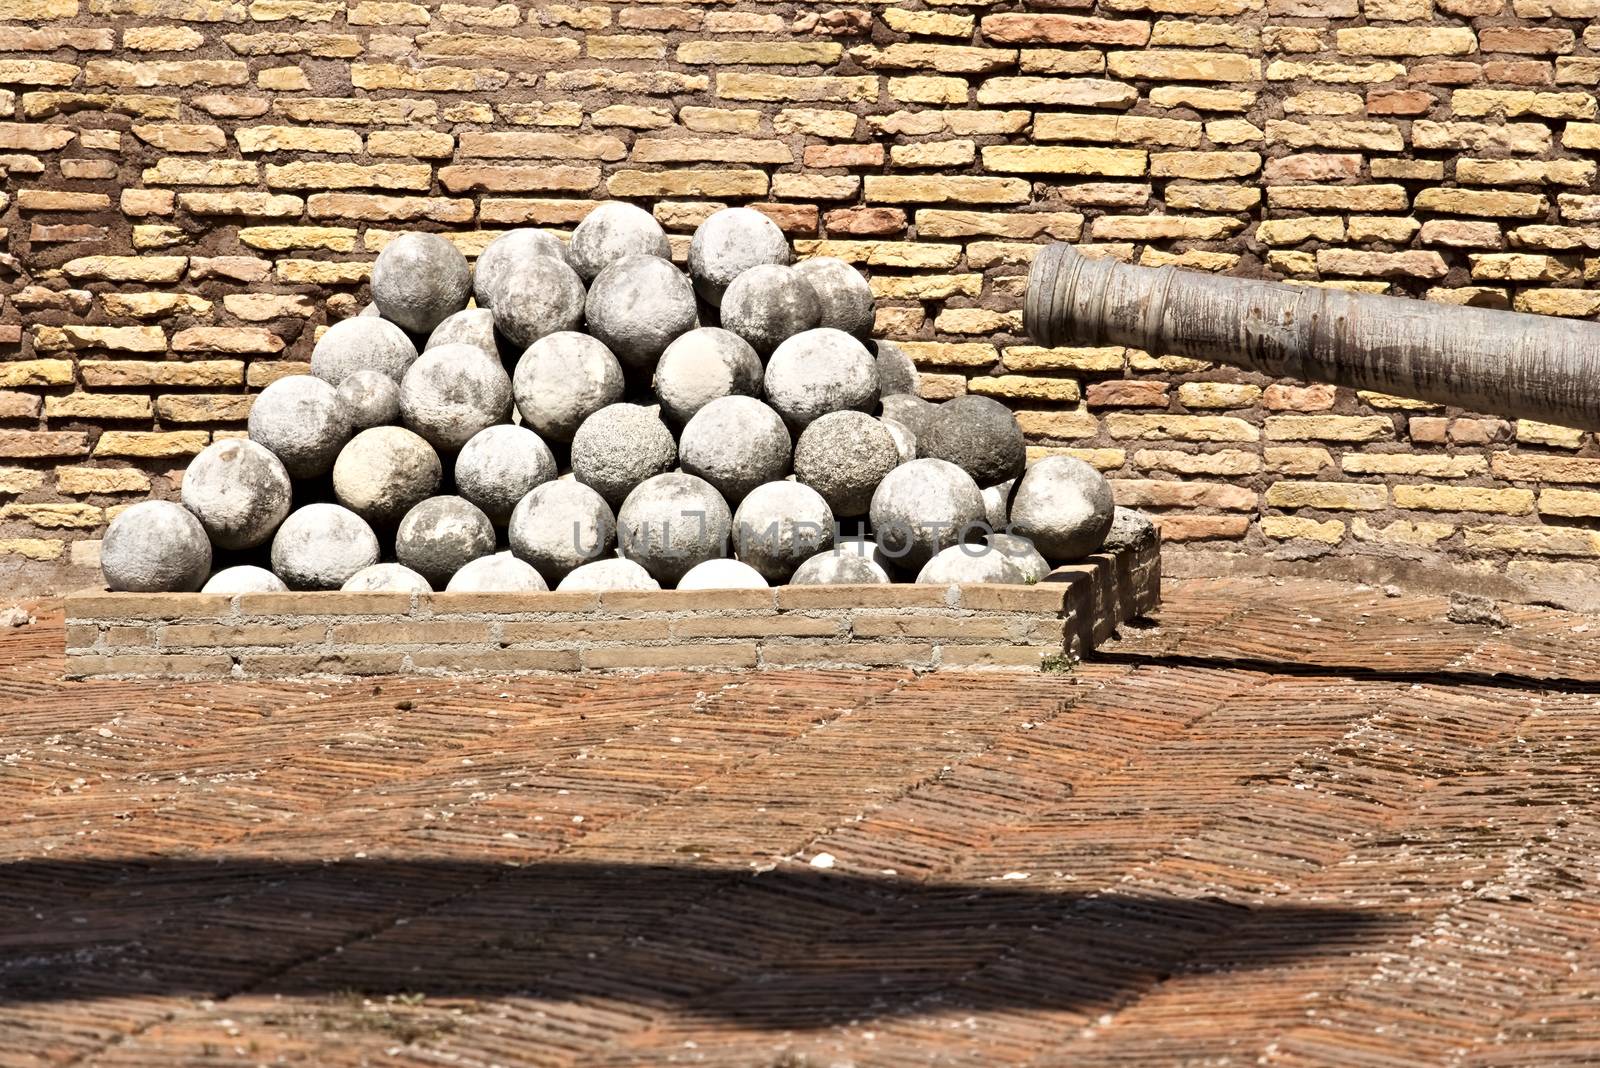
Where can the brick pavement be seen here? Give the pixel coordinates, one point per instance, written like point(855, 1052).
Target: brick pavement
point(1296, 823)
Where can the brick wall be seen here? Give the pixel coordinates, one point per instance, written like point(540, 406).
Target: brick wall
point(194, 187)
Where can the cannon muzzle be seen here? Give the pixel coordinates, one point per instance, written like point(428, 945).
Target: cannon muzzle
point(1496, 362)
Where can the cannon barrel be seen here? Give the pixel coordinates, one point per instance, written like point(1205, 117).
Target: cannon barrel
point(1499, 362)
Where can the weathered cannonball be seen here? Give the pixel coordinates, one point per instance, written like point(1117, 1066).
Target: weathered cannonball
point(619, 447)
point(843, 456)
point(369, 399)
point(563, 379)
point(769, 304)
point(637, 306)
point(452, 392)
point(495, 261)
point(384, 471)
point(499, 466)
point(538, 295)
point(500, 573)
point(386, 578)
point(996, 504)
point(361, 343)
point(300, 419)
point(1129, 530)
point(1063, 506)
point(1022, 552)
point(722, 575)
point(603, 576)
point(967, 564)
point(469, 326)
point(910, 411)
point(245, 578)
point(441, 535)
point(418, 280)
point(321, 545)
point(615, 231)
point(672, 522)
point(780, 525)
point(896, 373)
point(238, 490)
point(702, 365)
point(818, 372)
point(730, 242)
point(834, 568)
point(155, 547)
point(905, 442)
point(560, 526)
point(736, 444)
point(843, 295)
point(979, 435)
point(922, 507)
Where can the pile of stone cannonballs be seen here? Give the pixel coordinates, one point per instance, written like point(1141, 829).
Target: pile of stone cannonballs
point(587, 416)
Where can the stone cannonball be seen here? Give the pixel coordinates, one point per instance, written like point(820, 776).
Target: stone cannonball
point(923, 507)
point(910, 411)
point(441, 535)
point(818, 372)
point(384, 471)
point(499, 466)
point(245, 578)
point(362, 343)
point(730, 242)
point(702, 365)
point(452, 392)
point(155, 547)
point(301, 420)
point(321, 545)
point(369, 399)
point(769, 304)
point(560, 526)
point(978, 435)
point(843, 295)
point(500, 573)
point(386, 578)
point(615, 231)
point(672, 522)
point(1129, 530)
point(970, 564)
point(606, 575)
point(539, 295)
point(736, 444)
point(896, 373)
point(1064, 507)
point(420, 279)
point(722, 575)
point(563, 379)
point(637, 306)
point(843, 456)
point(469, 326)
point(905, 442)
point(996, 504)
point(1024, 554)
point(834, 568)
point(619, 447)
point(497, 258)
point(239, 491)
point(780, 525)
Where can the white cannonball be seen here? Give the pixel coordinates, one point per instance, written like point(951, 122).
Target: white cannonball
point(1064, 507)
point(996, 504)
point(702, 365)
point(500, 573)
point(469, 326)
point(844, 297)
point(730, 242)
point(736, 444)
point(560, 526)
point(905, 442)
point(362, 343)
point(441, 535)
point(452, 392)
point(619, 447)
point(321, 545)
point(604, 576)
point(818, 372)
point(843, 456)
point(637, 306)
point(245, 578)
point(369, 399)
point(384, 471)
point(834, 568)
point(495, 261)
point(538, 295)
point(1022, 552)
point(779, 525)
point(923, 507)
point(299, 418)
point(672, 522)
point(386, 578)
point(238, 490)
point(970, 564)
point(418, 280)
point(769, 304)
point(613, 231)
point(499, 466)
point(722, 575)
point(155, 547)
point(563, 379)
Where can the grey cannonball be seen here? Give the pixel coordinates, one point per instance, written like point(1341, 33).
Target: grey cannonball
point(384, 471)
point(672, 522)
point(896, 373)
point(300, 419)
point(722, 575)
point(834, 568)
point(968, 564)
point(979, 435)
point(769, 304)
point(386, 578)
point(321, 545)
point(361, 343)
point(923, 507)
point(452, 392)
point(730, 242)
point(495, 261)
point(619, 447)
point(736, 444)
point(563, 379)
point(500, 465)
point(1022, 552)
point(245, 578)
point(604, 576)
point(1064, 507)
point(1129, 530)
point(560, 526)
point(155, 547)
point(844, 296)
point(702, 365)
point(238, 490)
point(843, 456)
point(780, 525)
point(818, 372)
point(469, 326)
point(637, 306)
point(615, 231)
point(905, 442)
point(539, 295)
point(500, 573)
point(418, 280)
point(369, 399)
point(909, 410)
point(441, 535)
point(996, 504)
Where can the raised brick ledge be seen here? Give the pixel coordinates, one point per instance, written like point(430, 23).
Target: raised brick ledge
point(183, 635)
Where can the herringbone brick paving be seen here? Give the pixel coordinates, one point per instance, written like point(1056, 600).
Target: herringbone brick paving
point(1296, 823)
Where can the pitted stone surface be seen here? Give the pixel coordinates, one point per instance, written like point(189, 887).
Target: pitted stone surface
point(672, 522)
point(780, 525)
point(321, 545)
point(768, 304)
point(239, 491)
point(736, 444)
point(494, 264)
point(419, 280)
point(637, 306)
point(453, 392)
point(818, 372)
point(619, 447)
point(155, 547)
point(923, 507)
point(702, 365)
point(978, 435)
point(300, 419)
point(441, 535)
point(730, 242)
point(560, 526)
point(362, 343)
point(843, 456)
point(1064, 506)
point(386, 578)
point(539, 295)
point(384, 471)
point(603, 575)
point(563, 379)
point(499, 466)
point(843, 296)
point(614, 231)
point(500, 573)
point(369, 399)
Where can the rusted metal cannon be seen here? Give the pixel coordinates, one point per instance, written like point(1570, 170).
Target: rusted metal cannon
point(1500, 362)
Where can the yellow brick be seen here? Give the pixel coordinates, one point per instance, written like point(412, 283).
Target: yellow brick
point(1026, 387)
point(1421, 465)
point(1564, 502)
point(907, 189)
point(1422, 535)
point(1467, 499)
point(1407, 41)
point(1217, 395)
point(1561, 437)
point(296, 139)
point(1117, 129)
point(926, 89)
point(1159, 65)
point(1330, 531)
point(1029, 159)
point(1341, 496)
point(774, 53)
point(1546, 541)
point(35, 373)
point(1180, 427)
point(773, 87)
point(54, 516)
point(1329, 428)
point(1482, 202)
point(151, 443)
point(40, 549)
